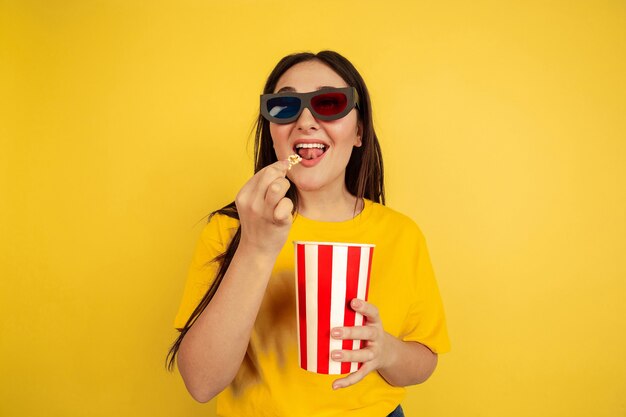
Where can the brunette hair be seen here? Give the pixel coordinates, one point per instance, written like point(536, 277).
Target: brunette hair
point(364, 172)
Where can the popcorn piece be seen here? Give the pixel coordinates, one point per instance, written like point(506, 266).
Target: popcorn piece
point(293, 160)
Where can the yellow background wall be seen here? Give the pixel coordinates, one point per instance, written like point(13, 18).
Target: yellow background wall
point(123, 123)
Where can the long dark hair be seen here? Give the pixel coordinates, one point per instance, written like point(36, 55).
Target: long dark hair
point(364, 172)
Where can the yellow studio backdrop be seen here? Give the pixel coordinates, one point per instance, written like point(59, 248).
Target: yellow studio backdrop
point(123, 123)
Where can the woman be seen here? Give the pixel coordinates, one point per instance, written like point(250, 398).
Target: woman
point(237, 318)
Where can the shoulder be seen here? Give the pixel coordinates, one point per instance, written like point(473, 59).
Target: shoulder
point(220, 228)
point(222, 221)
point(394, 220)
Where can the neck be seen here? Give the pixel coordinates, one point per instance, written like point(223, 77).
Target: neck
point(329, 207)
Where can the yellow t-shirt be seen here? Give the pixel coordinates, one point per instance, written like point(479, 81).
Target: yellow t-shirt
point(402, 286)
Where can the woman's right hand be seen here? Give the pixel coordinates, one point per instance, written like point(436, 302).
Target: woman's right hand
point(264, 211)
point(208, 363)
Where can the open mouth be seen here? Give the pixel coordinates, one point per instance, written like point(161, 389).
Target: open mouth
point(310, 151)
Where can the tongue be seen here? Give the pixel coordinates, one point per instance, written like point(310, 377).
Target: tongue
point(310, 153)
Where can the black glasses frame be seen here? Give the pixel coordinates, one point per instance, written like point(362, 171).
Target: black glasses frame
point(351, 94)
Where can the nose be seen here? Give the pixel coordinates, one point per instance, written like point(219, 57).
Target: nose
point(306, 121)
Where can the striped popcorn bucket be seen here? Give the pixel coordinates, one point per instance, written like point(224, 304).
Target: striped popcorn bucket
point(328, 276)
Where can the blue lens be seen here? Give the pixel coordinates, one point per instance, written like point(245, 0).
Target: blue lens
point(283, 107)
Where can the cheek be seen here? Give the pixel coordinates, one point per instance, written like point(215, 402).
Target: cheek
point(345, 133)
point(279, 133)
point(275, 134)
point(280, 140)
point(344, 136)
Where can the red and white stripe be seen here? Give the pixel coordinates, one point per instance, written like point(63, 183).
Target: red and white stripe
point(328, 277)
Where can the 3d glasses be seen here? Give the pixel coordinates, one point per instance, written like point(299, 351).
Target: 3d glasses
point(325, 104)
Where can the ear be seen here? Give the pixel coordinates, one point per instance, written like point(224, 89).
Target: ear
point(358, 141)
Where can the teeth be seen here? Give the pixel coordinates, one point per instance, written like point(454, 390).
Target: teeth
point(310, 145)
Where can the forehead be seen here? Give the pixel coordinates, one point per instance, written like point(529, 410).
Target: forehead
point(309, 76)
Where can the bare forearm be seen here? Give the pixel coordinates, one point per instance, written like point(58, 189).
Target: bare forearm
point(409, 363)
point(213, 349)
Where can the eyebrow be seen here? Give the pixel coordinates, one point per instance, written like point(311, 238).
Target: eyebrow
point(293, 90)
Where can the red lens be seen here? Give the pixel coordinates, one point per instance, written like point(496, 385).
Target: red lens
point(329, 104)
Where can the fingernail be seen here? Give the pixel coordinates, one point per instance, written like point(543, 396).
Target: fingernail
point(336, 355)
point(336, 385)
point(335, 333)
point(356, 303)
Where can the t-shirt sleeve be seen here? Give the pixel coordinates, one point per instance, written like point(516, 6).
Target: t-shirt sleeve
point(426, 321)
point(213, 241)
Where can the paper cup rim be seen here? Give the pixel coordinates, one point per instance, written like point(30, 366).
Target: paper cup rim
point(306, 242)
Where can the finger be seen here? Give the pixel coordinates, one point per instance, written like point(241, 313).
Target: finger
point(252, 194)
point(360, 355)
point(367, 309)
point(276, 190)
point(262, 179)
point(282, 212)
point(354, 333)
point(353, 378)
point(278, 168)
point(266, 176)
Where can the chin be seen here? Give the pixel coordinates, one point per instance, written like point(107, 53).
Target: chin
point(307, 185)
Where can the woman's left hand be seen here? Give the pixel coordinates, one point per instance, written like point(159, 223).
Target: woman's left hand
point(376, 353)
